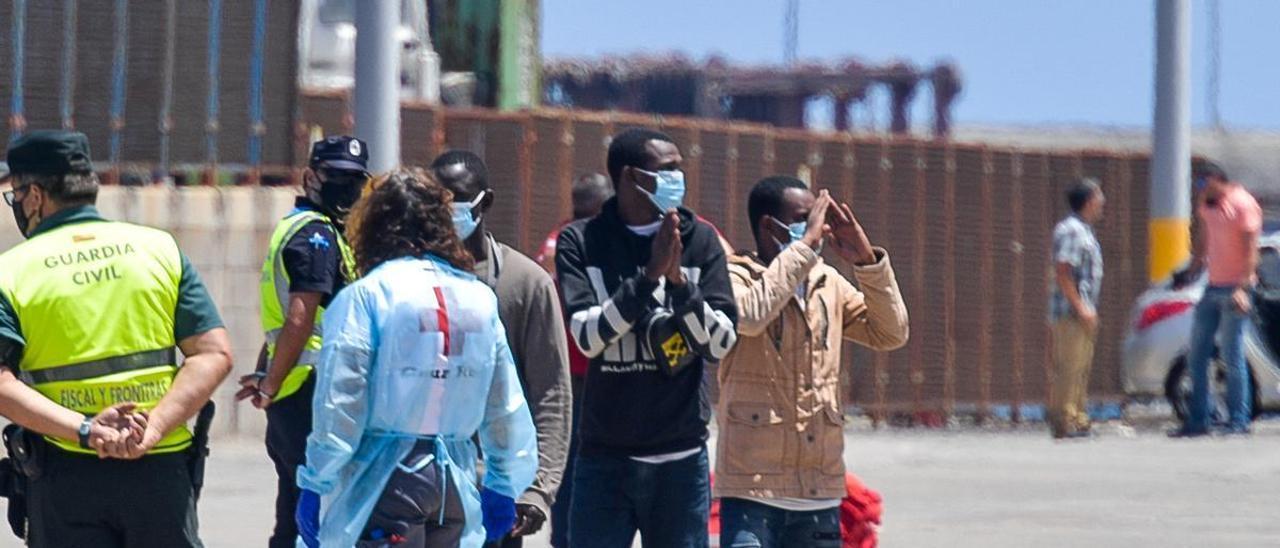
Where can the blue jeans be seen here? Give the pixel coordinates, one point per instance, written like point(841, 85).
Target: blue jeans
point(613, 497)
point(1217, 318)
point(748, 524)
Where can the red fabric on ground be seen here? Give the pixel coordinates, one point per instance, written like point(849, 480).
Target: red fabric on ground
point(860, 513)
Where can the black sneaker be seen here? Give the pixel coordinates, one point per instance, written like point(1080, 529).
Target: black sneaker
point(1185, 432)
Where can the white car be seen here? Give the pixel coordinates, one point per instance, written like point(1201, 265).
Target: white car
point(1159, 338)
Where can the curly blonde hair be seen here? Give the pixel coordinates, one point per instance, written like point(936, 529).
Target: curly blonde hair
point(404, 213)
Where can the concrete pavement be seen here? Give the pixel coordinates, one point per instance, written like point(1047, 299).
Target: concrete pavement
point(1002, 487)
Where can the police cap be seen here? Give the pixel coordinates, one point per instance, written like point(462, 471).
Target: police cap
point(49, 152)
point(340, 152)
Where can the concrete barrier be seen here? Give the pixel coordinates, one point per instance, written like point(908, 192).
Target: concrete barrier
point(224, 231)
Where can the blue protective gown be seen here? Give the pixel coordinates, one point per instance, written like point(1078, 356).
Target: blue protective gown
point(414, 350)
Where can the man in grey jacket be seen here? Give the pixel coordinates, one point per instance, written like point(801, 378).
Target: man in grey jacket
point(530, 310)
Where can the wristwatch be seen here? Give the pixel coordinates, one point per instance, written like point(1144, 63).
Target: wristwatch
point(84, 432)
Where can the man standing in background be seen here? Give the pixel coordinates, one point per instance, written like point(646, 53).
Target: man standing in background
point(647, 289)
point(1073, 309)
point(590, 191)
point(530, 310)
point(1230, 223)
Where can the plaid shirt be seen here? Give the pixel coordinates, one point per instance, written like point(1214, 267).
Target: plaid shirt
point(1075, 244)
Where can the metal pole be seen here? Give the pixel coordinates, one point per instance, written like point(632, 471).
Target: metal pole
point(257, 125)
point(1170, 235)
point(377, 93)
point(212, 99)
point(18, 39)
point(67, 88)
point(119, 83)
point(165, 123)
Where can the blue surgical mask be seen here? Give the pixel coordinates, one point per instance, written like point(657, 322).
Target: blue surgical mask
point(669, 192)
point(464, 220)
point(796, 232)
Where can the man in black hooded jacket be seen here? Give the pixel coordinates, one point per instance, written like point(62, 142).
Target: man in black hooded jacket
point(646, 287)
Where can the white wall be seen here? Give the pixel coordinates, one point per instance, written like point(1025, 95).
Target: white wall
point(224, 231)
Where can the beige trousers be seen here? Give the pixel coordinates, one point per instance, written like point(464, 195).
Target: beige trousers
point(1072, 360)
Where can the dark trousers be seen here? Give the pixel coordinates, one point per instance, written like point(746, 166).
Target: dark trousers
point(668, 503)
point(411, 513)
point(560, 508)
point(81, 501)
point(288, 425)
point(748, 524)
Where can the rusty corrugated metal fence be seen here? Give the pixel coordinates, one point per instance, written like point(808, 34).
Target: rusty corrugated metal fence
point(968, 228)
point(207, 91)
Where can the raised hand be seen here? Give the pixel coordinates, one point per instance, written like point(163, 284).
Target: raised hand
point(674, 275)
point(851, 241)
point(816, 227)
point(666, 248)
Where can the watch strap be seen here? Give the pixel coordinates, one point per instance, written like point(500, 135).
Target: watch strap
point(85, 428)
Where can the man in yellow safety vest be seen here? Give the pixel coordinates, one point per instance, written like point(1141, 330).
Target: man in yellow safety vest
point(308, 261)
point(90, 313)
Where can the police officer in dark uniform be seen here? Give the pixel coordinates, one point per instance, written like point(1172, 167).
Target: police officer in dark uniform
point(90, 313)
point(308, 261)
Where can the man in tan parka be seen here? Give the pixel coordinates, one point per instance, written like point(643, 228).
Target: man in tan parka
point(780, 466)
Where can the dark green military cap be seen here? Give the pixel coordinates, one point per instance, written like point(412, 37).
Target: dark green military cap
point(49, 152)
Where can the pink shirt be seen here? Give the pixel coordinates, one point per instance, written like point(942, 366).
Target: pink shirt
point(1226, 225)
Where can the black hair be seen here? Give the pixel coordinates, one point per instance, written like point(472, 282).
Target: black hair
point(589, 191)
point(69, 189)
point(476, 172)
point(766, 197)
point(1081, 192)
point(627, 149)
point(1209, 170)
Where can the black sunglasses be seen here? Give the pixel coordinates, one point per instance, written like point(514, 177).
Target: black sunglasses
point(8, 196)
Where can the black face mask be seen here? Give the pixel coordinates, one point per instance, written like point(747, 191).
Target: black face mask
point(339, 190)
point(339, 197)
point(20, 216)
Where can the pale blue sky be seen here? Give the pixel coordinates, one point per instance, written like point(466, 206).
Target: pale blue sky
point(1023, 61)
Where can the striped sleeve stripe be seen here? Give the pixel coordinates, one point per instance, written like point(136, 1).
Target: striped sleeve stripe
point(722, 333)
point(700, 334)
point(587, 331)
point(614, 317)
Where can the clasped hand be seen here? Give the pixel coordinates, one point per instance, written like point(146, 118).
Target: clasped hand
point(122, 432)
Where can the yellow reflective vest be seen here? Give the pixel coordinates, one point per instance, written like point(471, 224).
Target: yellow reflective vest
point(95, 302)
point(274, 291)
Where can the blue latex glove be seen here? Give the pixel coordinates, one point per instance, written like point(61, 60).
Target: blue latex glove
point(499, 514)
point(308, 517)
